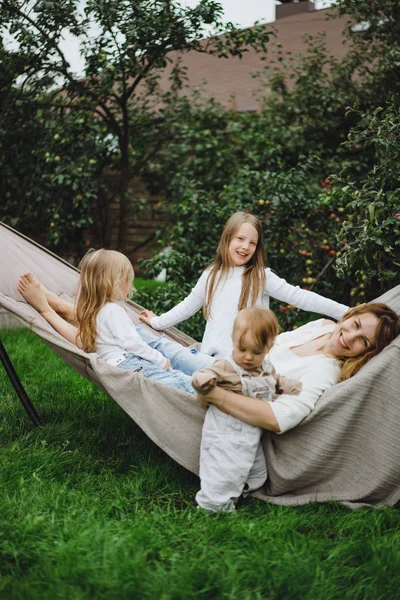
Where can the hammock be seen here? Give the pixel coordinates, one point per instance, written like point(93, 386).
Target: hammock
point(346, 450)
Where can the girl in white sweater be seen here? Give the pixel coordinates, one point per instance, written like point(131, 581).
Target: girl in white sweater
point(238, 279)
point(102, 324)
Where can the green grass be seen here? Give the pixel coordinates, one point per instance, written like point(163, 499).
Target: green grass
point(147, 284)
point(92, 509)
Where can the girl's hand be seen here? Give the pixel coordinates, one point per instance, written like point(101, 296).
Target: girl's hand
point(146, 316)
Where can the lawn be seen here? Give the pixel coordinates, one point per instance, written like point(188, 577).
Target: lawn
point(92, 509)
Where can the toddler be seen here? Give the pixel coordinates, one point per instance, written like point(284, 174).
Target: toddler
point(231, 455)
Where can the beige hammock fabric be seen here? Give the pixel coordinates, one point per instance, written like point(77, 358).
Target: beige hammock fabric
point(347, 450)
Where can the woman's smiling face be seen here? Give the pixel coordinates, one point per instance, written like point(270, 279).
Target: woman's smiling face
point(353, 337)
point(243, 245)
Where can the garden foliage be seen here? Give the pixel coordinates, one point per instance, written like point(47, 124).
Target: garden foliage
point(126, 47)
point(318, 163)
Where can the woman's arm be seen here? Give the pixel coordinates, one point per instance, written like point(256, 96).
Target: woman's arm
point(286, 411)
point(249, 410)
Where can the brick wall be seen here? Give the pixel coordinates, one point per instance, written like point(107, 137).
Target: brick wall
point(148, 215)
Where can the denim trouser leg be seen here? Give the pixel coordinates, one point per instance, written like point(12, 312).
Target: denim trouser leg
point(187, 360)
point(146, 368)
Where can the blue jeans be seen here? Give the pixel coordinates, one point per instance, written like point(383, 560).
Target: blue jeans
point(148, 369)
point(184, 359)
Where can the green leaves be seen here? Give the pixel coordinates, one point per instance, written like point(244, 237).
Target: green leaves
point(372, 237)
point(126, 48)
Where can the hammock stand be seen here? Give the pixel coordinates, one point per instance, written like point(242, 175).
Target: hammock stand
point(19, 388)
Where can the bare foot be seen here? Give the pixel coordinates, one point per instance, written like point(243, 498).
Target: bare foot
point(49, 295)
point(31, 289)
point(62, 307)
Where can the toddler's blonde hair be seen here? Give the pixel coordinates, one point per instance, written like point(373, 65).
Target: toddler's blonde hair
point(260, 323)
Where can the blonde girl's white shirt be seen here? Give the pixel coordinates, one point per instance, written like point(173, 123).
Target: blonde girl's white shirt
point(217, 339)
point(117, 336)
point(316, 373)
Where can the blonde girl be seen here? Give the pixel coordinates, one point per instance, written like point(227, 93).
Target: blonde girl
point(237, 279)
point(102, 324)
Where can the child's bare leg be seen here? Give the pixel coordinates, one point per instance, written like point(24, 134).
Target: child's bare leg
point(31, 289)
point(64, 308)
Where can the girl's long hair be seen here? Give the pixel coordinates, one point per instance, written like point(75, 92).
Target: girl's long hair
point(387, 330)
point(101, 273)
point(253, 278)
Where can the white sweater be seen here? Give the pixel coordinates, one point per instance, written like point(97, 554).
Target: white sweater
point(117, 336)
point(316, 373)
point(224, 307)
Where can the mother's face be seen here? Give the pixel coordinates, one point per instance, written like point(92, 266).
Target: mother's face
point(354, 336)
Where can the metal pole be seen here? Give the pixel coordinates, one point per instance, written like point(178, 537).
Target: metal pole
point(18, 387)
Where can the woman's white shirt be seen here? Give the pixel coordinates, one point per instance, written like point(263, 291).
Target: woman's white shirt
point(224, 308)
point(316, 373)
point(117, 336)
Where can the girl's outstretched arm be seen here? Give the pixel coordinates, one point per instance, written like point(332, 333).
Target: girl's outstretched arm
point(249, 410)
point(30, 288)
point(310, 301)
point(182, 311)
point(146, 316)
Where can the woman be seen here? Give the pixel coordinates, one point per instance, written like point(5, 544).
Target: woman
point(318, 354)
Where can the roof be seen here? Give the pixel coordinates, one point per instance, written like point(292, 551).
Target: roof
point(232, 77)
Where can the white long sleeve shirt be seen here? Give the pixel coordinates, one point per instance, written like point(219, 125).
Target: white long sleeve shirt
point(224, 307)
point(316, 373)
point(117, 336)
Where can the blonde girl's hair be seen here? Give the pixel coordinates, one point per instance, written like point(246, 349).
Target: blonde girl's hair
point(253, 278)
point(260, 323)
point(101, 273)
point(387, 330)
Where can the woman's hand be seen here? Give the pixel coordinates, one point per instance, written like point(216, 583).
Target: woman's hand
point(217, 396)
point(146, 316)
point(200, 399)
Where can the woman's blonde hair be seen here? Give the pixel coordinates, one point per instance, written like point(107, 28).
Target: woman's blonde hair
point(387, 329)
point(253, 278)
point(101, 273)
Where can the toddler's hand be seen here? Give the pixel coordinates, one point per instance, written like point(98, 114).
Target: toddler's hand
point(146, 316)
point(208, 386)
point(201, 401)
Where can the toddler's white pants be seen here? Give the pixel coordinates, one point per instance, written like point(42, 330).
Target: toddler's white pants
point(231, 456)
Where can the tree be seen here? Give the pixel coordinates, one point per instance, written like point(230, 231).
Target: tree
point(371, 235)
point(373, 31)
point(277, 165)
point(126, 46)
point(48, 163)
